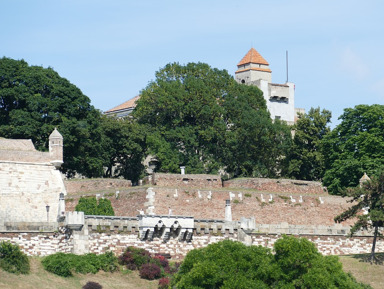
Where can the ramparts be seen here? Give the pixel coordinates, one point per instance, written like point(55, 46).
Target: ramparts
point(278, 186)
point(188, 181)
point(92, 185)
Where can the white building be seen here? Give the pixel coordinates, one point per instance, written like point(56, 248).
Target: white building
point(253, 69)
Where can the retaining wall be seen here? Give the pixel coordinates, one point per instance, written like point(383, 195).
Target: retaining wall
point(278, 185)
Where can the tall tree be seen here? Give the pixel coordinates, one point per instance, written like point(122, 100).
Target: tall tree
point(123, 148)
point(34, 100)
point(355, 146)
point(199, 116)
point(306, 159)
point(367, 208)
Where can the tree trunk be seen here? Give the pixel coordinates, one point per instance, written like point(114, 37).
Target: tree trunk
point(372, 258)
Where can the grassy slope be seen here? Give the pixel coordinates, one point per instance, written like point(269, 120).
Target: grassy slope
point(363, 271)
point(41, 279)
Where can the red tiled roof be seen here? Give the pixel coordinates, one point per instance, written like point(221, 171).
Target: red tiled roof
point(254, 68)
point(128, 104)
point(253, 57)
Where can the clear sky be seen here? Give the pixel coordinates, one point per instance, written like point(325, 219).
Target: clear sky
point(112, 49)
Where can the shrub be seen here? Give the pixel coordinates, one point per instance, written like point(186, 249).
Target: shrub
point(161, 261)
point(133, 258)
point(295, 264)
point(104, 208)
point(12, 259)
point(90, 206)
point(58, 264)
point(150, 271)
point(64, 264)
point(163, 283)
point(92, 285)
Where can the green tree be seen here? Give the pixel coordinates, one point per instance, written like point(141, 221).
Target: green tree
point(295, 264)
point(90, 206)
point(200, 117)
point(123, 148)
point(306, 159)
point(368, 197)
point(254, 145)
point(355, 146)
point(34, 100)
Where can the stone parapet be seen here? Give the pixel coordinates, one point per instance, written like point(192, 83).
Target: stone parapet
point(92, 185)
point(188, 180)
point(278, 186)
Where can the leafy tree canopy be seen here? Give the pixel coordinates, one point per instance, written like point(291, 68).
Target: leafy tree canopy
point(200, 117)
point(367, 207)
point(295, 264)
point(355, 146)
point(34, 100)
point(123, 147)
point(306, 160)
point(90, 206)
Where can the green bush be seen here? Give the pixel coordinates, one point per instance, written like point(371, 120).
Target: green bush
point(12, 259)
point(90, 206)
point(295, 264)
point(65, 264)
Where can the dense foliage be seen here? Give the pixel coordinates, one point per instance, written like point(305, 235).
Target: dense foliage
point(34, 100)
point(368, 197)
point(124, 148)
point(12, 259)
point(306, 159)
point(295, 264)
point(200, 117)
point(65, 264)
point(90, 206)
point(355, 146)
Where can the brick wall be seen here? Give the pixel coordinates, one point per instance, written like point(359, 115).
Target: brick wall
point(45, 244)
point(210, 204)
point(92, 185)
point(278, 186)
point(188, 180)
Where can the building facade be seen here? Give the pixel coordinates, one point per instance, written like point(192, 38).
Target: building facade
point(253, 69)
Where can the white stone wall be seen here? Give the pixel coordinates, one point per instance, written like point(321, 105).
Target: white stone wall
point(46, 244)
point(26, 190)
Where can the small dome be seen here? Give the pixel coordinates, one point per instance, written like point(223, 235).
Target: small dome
point(365, 178)
point(55, 134)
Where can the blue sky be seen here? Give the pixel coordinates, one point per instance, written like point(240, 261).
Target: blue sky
point(112, 49)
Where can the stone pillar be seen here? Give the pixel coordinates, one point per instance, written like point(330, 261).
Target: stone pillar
point(228, 211)
point(61, 213)
point(182, 168)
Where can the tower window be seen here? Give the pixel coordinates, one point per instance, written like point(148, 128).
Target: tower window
point(242, 81)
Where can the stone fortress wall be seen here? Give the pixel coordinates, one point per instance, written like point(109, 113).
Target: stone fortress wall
point(30, 185)
point(262, 210)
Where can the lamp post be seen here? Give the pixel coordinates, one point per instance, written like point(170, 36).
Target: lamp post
point(47, 208)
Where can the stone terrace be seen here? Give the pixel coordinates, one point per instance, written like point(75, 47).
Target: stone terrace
point(211, 205)
point(310, 204)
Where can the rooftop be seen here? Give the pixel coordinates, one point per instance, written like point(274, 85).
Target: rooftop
point(253, 57)
point(126, 105)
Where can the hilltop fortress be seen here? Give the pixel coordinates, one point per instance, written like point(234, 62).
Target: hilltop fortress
point(173, 215)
